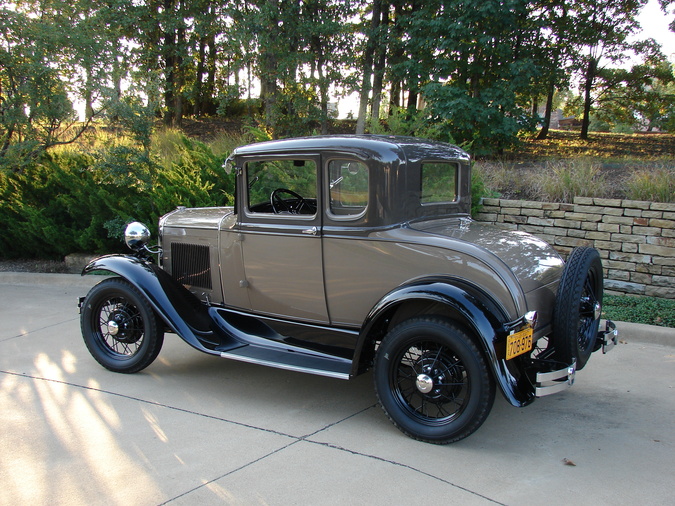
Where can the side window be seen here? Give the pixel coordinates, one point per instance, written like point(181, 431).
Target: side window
point(282, 186)
point(439, 182)
point(348, 187)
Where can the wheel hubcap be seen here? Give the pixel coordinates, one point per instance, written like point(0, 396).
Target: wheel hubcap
point(113, 328)
point(424, 383)
point(123, 325)
point(431, 382)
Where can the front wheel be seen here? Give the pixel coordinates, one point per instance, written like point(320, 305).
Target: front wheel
point(432, 381)
point(119, 327)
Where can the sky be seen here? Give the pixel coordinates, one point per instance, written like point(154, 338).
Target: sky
point(655, 25)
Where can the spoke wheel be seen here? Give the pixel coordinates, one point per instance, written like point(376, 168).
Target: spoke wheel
point(578, 308)
point(432, 381)
point(119, 327)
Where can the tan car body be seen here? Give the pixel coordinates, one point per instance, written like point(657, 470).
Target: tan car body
point(339, 246)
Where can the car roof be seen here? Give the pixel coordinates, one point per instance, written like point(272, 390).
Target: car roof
point(385, 148)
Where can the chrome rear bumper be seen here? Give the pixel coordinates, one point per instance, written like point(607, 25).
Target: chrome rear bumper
point(552, 382)
point(555, 381)
point(608, 338)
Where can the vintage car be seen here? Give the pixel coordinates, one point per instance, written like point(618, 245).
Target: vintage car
point(343, 254)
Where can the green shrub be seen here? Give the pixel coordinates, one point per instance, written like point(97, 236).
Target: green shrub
point(647, 310)
point(479, 189)
point(193, 178)
point(70, 202)
point(60, 205)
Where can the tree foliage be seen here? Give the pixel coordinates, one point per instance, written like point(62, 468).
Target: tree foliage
point(474, 72)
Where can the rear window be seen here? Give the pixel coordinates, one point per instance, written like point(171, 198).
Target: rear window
point(348, 187)
point(439, 182)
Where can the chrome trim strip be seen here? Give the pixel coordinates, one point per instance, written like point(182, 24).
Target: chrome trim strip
point(551, 389)
point(308, 370)
point(555, 380)
point(553, 375)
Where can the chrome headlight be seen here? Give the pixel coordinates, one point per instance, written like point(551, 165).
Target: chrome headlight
point(136, 235)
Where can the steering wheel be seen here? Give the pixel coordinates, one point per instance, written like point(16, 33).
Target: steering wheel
point(279, 205)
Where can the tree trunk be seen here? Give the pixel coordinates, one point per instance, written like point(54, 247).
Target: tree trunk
point(199, 80)
point(180, 77)
point(269, 89)
point(543, 133)
point(169, 51)
point(378, 71)
point(88, 100)
point(588, 99)
point(210, 103)
point(268, 69)
point(323, 93)
point(413, 93)
point(368, 68)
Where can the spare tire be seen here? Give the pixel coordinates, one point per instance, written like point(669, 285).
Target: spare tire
point(578, 307)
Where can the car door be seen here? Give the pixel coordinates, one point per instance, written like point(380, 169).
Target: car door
point(280, 232)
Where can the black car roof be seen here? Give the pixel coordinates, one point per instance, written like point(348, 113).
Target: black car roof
point(381, 147)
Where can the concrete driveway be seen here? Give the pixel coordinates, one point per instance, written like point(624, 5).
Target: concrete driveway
point(196, 429)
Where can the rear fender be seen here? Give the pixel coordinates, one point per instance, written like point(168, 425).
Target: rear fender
point(180, 310)
point(474, 313)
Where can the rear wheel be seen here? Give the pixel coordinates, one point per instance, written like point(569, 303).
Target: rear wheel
point(576, 316)
point(119, 327)
point(432, 381)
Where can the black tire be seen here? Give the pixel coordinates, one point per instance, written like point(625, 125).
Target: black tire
point(119, 327)
point(576, 315)
point(432, 381)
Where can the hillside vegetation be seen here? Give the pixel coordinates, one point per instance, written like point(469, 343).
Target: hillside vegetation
point(625, 166)
point(77, 198)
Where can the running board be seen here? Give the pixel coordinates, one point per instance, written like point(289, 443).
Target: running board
point(256, 340)
point(291, 361)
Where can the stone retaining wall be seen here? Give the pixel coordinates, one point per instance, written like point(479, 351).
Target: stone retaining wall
point(636, 239)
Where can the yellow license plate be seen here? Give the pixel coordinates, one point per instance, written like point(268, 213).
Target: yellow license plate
point(518, 343)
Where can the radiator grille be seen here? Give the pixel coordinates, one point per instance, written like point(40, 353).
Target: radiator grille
point(191, 264)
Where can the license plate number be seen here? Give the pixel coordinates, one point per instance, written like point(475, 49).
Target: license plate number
point(518, 343)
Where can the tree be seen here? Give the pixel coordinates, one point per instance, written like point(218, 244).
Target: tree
point(665, 5)
point(554, 48)
point(475, 69)
point(603, 28)
point(297, 49)
point(641, 97)
point(36, 54)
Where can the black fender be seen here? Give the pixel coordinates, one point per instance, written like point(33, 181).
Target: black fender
point(180, 310)
point(477, 312)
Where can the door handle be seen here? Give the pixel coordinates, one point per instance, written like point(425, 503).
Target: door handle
point(311, 231)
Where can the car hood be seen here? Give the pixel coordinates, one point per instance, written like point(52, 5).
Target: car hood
point(533, 261)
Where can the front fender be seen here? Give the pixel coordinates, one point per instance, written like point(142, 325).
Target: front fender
point(180, 309)
point(476, 313)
